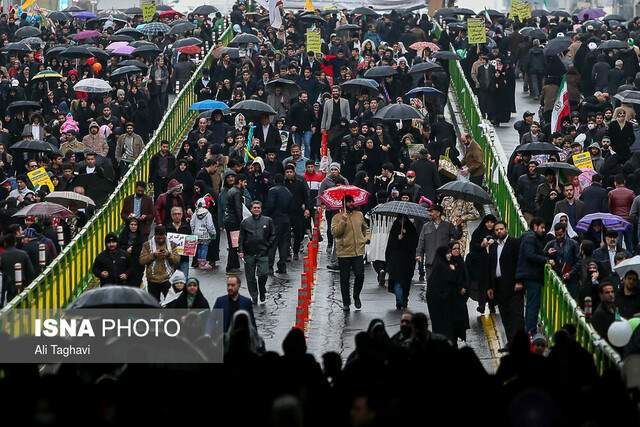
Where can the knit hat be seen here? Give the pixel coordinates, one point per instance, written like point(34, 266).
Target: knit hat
point(111, 237)
point(177, 277)
point(334, 165)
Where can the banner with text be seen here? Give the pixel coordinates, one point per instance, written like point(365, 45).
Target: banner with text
point(476, 32)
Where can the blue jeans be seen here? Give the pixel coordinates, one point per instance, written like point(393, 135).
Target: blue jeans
point(402, 297)
point(184, 267)
point(532, 307)
point(203, 249)
point(303, 139)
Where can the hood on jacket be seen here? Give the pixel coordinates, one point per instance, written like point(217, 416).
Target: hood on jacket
point(259, 161)
point(94, 125)
point(174, 186)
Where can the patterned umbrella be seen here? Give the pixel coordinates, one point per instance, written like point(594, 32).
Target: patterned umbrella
point(420, 46)
point(24, 32)
point(334, 196)
point(610, 221)
point(46, 75)
point(154, 28)
point(87, 34)
point(44, 209)
point(395, 208)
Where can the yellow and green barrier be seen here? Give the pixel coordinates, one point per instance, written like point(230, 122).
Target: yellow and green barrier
point(70, 273)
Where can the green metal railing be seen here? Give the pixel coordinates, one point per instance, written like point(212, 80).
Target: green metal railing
point(558, 307)
point(70, 273)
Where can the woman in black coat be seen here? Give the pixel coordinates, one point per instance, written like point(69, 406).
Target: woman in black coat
point(401, 248)
point(191, 297)
point(621, 134)
point(131, 241)
point(478, 260)
point(440, 295)
point(460, 282)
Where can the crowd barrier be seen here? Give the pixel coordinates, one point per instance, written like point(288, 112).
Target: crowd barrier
point(558, 307)
point(70, 273)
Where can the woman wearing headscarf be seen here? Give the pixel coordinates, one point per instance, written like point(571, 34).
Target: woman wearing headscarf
point(460, 282)
point(184, 177)
point(373, 158)
point(478, 260)
point(242, 342)
point(177, 281)
point(401, 249)
point(131, 241)
point(440, 293)
point(191, 298)
point(621, 134)
point(564, 219)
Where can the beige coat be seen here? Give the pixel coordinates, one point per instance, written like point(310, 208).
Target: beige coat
point(350, 234)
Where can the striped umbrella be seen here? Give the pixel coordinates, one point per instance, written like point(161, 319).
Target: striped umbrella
point(396, 208)
point(47, 75)
point(153, 28)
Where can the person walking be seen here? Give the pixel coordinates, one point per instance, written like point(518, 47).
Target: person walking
point(278, 208)
point(232, 218)
point(8, 259)
point(257, 237)
point(203, 227)
point(434, 234)
point(112, 265)
point(401, 248)
point(178, 225)
point(161, 259)
point(441, 292)
point(350, 232)
point(139, 206)
point(230, 304)
point(333, 179)
point(190, 298)
point(483, 236)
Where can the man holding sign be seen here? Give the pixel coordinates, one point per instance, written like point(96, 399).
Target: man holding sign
point(179, 227)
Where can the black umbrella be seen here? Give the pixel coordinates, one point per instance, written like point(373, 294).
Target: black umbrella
point(28, 31)
point(76, 52)
point(557, 46)
point(23, 106)
point(150, 51)
point(357, 86)
point(133, 11)
point(101, 54)
point(289, 87)
point(596, 24)
point(465, 190)
point(463, 11)
point(561, 14)
point(58, 16)
point(525, 31)
point(252, 106)
point(364, 11)
point(121, 38)
point(73, 9)
point(446, 55)
point(205, 9)
point(539, 13)
point(347, 27)
point(56, 50)
point(538, 148)
point(182, 28)
point(127, 69)
point(233, 52)
point(458, 26)
point(396, 208)
point(628, 96)
point(424, 67)
point(312, 18)
point(614, 18)
point(34, 145)
point(139, 43)
point(96, 186)
point(17, 47)
point(189, 41)
point(398, 112)
point(380, 72)
point(131, 32)
point(613, 44)
point(244, 38)
point(444, 11)
point(568, 169)
point(115, 297)
point(133, 62)
point(493, 12)
point(115, 16)
point(537, 34)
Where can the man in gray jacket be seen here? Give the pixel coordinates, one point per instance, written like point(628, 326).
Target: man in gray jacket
point(334, 109)
point(257, 236)
point(435, 233)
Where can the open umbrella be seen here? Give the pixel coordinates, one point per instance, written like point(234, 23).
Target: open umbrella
point(591, 13)
point(398, 112)
point(465, 190)
point(44, 210)
point(154, 28)
point(101, 54)
point(244, 38)
point(133, 11)
point(630, 264)
point(537, 34)
point(233, 52)
point(96, 186)
point(189, 41)
point(171, 13)
point(73, 9)
point(209, 104)
point(131, 32)
point(24, 32)
point(121, 38)
point(538, 148)
point(425, 67)
point(252, 106)
point(76, 52)
point(526, 30)
point(69, 199)
point(123, 71)
point(358, 86)
point(333, 198)
point(597, 24)
point(23, 106)
point(561, 14)
point(84, 15)
point(396, 208)
point(46, 75)
point(58, 16)
point(133, 62)
point(289, 87)
point(309, 18)
point(123, 50)
point(33, 41)
point(150, 51)
point(380, 72)
point(190, 50)
point(493, 12)
point(347, 27)
point(613, 44)
point(539, 13)
point(366, 11)
point(17, 47)
point(444, 11)
point(205, 9)
point(34, 146)
point(420, 46)
point(115, 296)
point(610, 221)
point(207, 114)
point(566, 168)
point(140, 43)
point(424, 91)
point(182, 28)
point(614, 18)
point(628, 96)
point(87, 34)
point(92, 86)
point(446, 55)
point(557, 46)
point(463, 11)
point(116, 45)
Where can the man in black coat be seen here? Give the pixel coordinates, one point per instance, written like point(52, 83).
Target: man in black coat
point(201, 132)
point(8, 259)
point(605, 314)
point(160, 167)
point(595, 196)
point(232, 218)
point(112, 265)
point(278, 207)
point(299, 207)
point(426, 174)
point(268, 135)
point(504, 289)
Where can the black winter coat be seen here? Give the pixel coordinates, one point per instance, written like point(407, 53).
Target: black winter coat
point(115, 263)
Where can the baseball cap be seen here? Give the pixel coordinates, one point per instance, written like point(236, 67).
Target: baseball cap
point(527, 114)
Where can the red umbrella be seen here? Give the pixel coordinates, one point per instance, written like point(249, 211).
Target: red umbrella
point(169, 14)
point(334, 196)
point(190, 50)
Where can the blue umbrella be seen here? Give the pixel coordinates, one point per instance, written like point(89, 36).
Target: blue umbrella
point(424, 91)
point(209, 104)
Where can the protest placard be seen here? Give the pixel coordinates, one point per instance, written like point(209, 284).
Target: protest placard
point(148, 11)
point(40, 177)
point(314, 43)
point(476, 32)
point(186, 244)
point(582, 161)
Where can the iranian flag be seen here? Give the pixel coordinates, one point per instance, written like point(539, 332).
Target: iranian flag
point(561, 106)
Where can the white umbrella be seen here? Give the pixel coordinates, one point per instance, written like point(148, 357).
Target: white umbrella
point(69, 199)
point(631, 264)
point(92, 86)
